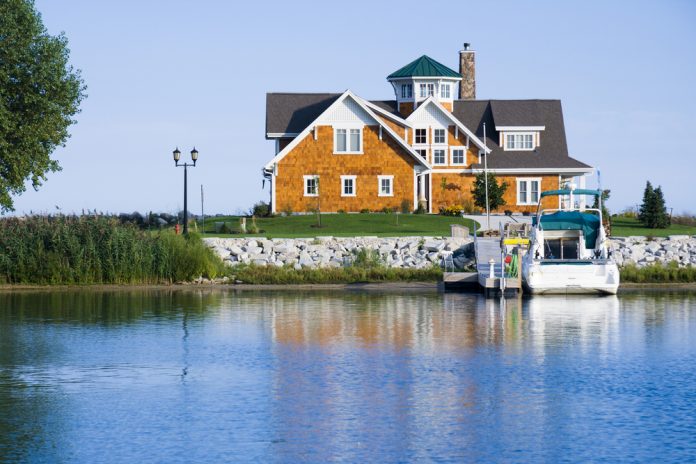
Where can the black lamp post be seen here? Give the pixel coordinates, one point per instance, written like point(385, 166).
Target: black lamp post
point(177, 157)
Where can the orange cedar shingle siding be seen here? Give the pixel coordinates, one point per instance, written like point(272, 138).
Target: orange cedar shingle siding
point(405, 108)
point(457, 189)
point(315, 157)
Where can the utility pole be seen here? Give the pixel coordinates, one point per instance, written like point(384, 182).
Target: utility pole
point(485, 175)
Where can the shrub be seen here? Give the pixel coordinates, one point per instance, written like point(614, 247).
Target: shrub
point(420, 209)
point(405, 206)
point(341, 211)
point(387, 210)
point(453, 210)
point(260, 209)
point(253, 228)
point(365, 211)
point(367, 259)
point(468, 206)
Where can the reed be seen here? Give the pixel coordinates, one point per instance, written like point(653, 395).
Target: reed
point(98, 250)
point(658, 274)
point(286, 275)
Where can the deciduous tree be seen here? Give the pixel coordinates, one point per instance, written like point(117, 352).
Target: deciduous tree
point(40, 93)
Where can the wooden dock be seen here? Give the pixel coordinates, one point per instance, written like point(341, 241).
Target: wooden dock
point(487, 250)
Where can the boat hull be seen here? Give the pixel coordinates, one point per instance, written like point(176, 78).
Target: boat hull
point(570, 278)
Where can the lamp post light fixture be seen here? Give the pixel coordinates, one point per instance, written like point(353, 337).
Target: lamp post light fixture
point(177, 157)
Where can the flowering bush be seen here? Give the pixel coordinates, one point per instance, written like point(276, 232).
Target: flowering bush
point(453, 210)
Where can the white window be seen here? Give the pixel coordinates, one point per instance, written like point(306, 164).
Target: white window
point(406, 90)
point(347, 140)
point(439, 157)
point(385, 187)
point(427, 90)
point(528, 191)
point(458, 156)
point(439, 136)
point(348, 186)
point(423, 153)
point(421, 136)
point(444, 91)
point(521, 141)
point(311, 185)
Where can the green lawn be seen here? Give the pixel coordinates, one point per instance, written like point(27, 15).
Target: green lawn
point(622, 226)
point(344, 225)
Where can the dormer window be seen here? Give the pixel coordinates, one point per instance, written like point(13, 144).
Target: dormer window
point(444, 91)
point(421, 136)
point(427, 90)
point(521, 141)
point(406, 90)
point(439, 136)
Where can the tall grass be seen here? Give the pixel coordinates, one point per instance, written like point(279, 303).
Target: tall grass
point(658, 274)
point(286, 275)
point(98, 250)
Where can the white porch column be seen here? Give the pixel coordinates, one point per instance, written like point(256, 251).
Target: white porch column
point(421, 191)
point(582, 198)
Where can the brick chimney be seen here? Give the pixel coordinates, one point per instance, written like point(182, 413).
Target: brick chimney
point(467, 68)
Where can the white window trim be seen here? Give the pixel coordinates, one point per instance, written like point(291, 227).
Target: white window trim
point(427, 136)
point(348, 128)
point(528, 181)
point(463, 148)
point(379, 186)
point(343, 187)
point(442, 129)
point(505, 141)
point(304, 185)
point(449, 91)
point(444, 150)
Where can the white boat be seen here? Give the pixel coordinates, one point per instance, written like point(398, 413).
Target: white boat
point(568, 249)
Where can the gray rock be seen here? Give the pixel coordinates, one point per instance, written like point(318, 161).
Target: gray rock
point(235, 250)
point(434, 245)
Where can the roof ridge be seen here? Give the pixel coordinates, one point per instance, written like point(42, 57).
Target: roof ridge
point(304, 93)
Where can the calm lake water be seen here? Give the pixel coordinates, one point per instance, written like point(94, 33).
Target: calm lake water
point(217, 375)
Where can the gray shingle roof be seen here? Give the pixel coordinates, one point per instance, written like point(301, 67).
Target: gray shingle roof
point(293, 112)
point(552, 152)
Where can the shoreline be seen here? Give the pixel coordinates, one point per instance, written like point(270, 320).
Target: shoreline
point(415, 287)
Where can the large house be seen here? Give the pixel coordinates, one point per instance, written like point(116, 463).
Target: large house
point(342, 152)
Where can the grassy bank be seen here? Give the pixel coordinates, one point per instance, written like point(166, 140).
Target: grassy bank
point(624, 226)
point(97, 250)
point(341, 225)
point(344, 275)
point(658, 274)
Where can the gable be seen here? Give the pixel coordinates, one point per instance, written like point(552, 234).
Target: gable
point(346, 111)
point(430, 116)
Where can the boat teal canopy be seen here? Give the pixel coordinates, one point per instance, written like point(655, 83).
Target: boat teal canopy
point(549, 193)
point(574, 220)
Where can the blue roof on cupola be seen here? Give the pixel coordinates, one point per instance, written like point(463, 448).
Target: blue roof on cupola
point(424, 67)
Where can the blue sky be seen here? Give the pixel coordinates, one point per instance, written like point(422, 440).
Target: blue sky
point(168, 73)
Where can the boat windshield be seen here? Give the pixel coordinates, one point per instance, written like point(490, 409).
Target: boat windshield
point(573, 220)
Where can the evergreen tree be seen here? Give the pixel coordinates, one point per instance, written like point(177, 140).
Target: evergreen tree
point(646, 208)
point(495, 191)
point(605, 196)
point(653, 212)
point(662, 220)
